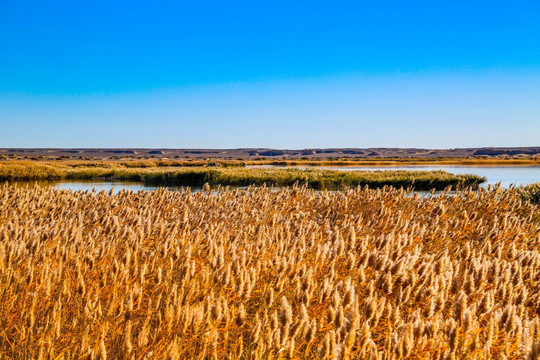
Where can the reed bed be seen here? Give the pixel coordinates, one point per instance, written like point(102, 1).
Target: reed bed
point(197, 176)
point(261, 274)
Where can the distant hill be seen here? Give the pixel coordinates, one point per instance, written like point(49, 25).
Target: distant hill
point(252, 153)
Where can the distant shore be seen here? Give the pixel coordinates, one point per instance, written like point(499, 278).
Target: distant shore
point(496, 155)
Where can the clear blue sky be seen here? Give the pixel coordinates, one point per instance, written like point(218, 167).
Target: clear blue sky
point(283, 74)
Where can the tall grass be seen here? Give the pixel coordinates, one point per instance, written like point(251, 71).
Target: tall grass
point(259, 274)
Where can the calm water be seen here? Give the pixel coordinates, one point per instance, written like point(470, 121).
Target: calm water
point(517, 175)
point(100, 185)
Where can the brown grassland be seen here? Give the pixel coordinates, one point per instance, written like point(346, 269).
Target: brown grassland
point(261, 274)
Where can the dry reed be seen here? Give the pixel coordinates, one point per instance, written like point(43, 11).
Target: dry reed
point(260, 274)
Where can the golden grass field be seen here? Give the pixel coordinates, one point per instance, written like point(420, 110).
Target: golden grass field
point(261, 274)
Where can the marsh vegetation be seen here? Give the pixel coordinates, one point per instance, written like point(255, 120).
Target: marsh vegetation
point(259, 274)
point(236, 176)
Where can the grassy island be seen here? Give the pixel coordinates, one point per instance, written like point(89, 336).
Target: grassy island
point(319, 178)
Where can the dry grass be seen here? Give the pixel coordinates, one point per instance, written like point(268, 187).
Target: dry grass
point(260, 274)
point(532, 161)
point(134, 161)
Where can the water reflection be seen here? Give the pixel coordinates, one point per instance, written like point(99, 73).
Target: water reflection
point(517, 175)
point(101, 185)
point(507, 175)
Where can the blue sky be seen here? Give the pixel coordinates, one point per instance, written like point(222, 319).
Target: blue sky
point(282, 74)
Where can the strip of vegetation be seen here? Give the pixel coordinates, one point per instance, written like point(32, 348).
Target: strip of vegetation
point(400, 162)
point(196, 176)
point(284, 161)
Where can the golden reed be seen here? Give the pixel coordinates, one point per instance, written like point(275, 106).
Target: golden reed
point(262, 274)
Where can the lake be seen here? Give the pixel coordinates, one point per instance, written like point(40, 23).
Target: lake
point(506, 175)
point(100, 185)
point(517, 175)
